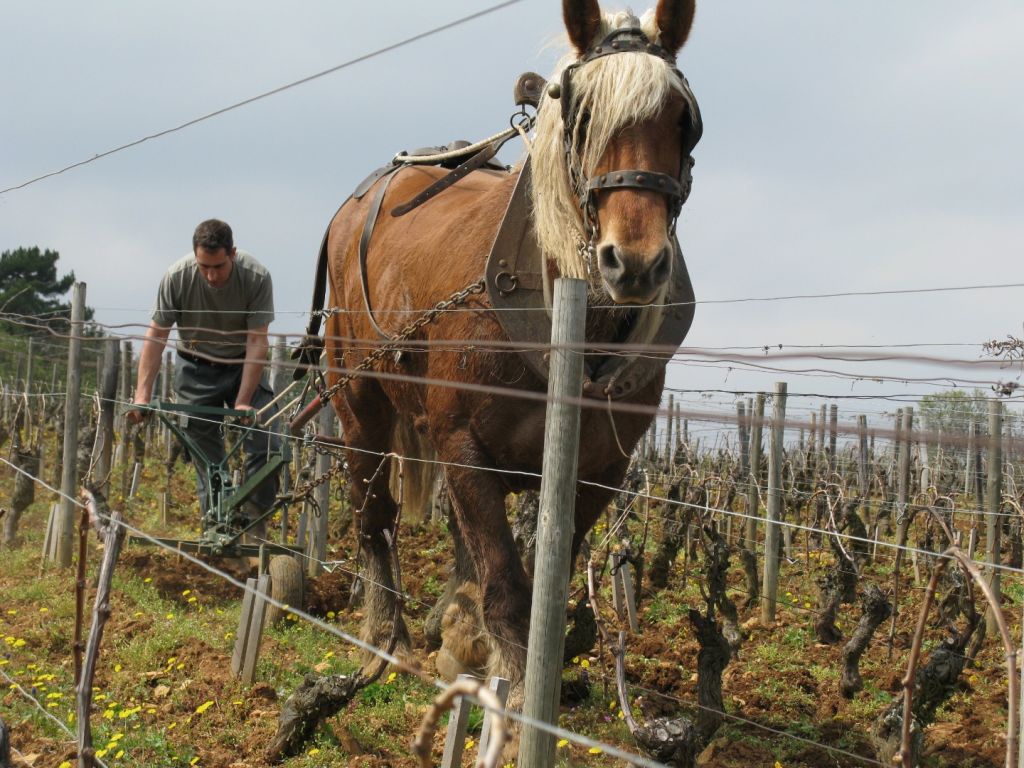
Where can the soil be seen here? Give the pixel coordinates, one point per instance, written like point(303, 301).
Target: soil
point(662, 661)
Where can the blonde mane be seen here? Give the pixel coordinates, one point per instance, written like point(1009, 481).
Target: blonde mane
point(597, 88)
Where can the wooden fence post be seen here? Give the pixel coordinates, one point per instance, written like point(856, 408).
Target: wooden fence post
point(833, 431)
point(979, 472)
point(812, 440)
point(317, 530)
point(555, 522)
point(127, 396)
point(455, 738)
point(993, 539)
point(863, 474)
point(774, 513)
point(29, 405)
point(166, 374)
point(69, 472)
point(279, 365)
point(753, 479)
point(499, 687)
point(821, 435)
point(5, 746)
point(743, 431)
point(108, 396)
point(669, 441)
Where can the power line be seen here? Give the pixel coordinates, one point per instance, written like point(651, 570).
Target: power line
point(267, 94)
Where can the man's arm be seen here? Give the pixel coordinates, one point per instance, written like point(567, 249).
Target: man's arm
point(149, 367)
point(256, 348)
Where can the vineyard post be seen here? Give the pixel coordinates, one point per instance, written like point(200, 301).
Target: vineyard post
point(108, 393)
point(821, 435)
point(753, 479)
point(126, 398)
point(322, 494)
point(679, 421)
point(897, 441)
point(812, 439)
point(993, 539)
point(969, 472)
point(743, 428)
point(903, 488)
point(669, 443)
point(979, 483)
point(5, 746)
point(554, 522)
point(69, 472)
point(28, 389)
point(770, 585)
point(833, 431)
point(744, 438)
point(165, 394)
point(863, 475)
point(278, 367)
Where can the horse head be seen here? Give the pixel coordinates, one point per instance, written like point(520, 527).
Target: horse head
point(612, 156)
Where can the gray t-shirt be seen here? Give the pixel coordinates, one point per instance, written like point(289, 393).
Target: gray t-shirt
point(214, 321)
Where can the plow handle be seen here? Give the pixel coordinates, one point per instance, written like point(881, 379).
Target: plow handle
point(305, 415)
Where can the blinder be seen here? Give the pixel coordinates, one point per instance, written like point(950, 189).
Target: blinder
point(677, 190)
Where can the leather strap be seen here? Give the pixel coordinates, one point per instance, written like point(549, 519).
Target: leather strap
point(650, 180)
point(476, 161)
point(364, 246)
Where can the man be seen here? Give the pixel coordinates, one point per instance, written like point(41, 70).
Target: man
point(222, 301)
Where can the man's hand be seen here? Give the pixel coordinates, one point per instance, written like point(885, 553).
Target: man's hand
point(250, 417)
point(137, 415)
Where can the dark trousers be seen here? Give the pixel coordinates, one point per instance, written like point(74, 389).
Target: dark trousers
point(217, 386)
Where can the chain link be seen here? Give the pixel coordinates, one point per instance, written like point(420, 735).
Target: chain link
point(456, 299)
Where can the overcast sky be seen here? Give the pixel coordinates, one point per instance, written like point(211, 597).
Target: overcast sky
point(847, 147)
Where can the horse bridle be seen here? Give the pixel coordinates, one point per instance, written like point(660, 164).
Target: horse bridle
point(676, 189)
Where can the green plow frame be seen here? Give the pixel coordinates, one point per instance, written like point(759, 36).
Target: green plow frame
point(223, 523)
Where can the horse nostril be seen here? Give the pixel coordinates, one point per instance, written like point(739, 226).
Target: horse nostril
point(660, 269)
point(609, 260)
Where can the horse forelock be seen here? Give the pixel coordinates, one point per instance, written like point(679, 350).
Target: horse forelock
point(617, 91)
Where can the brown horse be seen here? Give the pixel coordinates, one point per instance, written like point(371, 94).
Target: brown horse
point(632, 110)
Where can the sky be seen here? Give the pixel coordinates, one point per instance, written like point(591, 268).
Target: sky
point(848, 147)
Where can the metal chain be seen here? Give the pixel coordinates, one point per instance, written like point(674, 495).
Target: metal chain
point(456, 299)
point(306, 489)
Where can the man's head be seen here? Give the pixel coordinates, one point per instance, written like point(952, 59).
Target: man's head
point(214, 248)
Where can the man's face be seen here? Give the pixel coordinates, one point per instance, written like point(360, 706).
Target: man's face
point(215, 266)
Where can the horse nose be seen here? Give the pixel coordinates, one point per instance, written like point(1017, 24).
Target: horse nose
point(633, 278)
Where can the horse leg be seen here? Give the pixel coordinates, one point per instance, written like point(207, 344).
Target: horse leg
point(478, 499)
point(366, 417)
point(462, 571)
point(591, 501)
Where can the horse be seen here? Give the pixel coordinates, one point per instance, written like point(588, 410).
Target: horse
point(629, 115)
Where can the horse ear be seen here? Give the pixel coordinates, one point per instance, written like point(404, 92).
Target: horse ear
point(674, 18)
point(582, 22)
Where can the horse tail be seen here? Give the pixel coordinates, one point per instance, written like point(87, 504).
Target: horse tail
point(419, 471)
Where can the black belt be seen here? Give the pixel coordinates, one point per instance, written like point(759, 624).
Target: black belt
point(232, 363)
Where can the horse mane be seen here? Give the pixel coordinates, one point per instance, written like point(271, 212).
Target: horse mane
point(597, 88)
